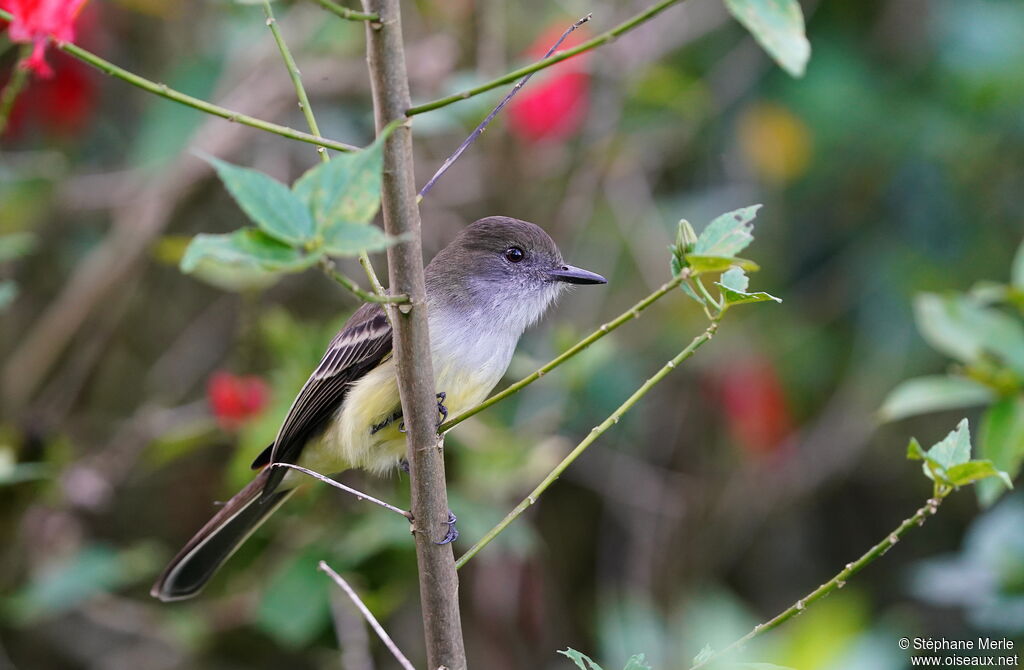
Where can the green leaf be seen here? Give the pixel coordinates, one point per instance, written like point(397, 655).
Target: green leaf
point(728, 234)
point(953, 449)
point(346, 190)
point(914, 450)
point(931, 394)
point(702, 264)
point(972, 471)
point(268, 202)
point(965, 330)
point(244, 249)
point(778, 25)
point(16, 245)
point(8, 292)
point(734, 289)
point(1017, 269)
point(690, 292)
point(295, 605)
point(1001, 440)
point(349, 239)
point(637, 662)
point(582, 661)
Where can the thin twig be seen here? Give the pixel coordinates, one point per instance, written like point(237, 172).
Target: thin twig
point(591, 437)
point(164, 91)
point(295, 75)
point(494, 112)
point(346, 13)
point(603, 38)
point(328, 267)
point(837, 582)
point(348, 489)
point(630, 314)
point(372, 620)
point(14, 87)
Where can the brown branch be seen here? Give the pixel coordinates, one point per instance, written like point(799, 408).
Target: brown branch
point(438, 581)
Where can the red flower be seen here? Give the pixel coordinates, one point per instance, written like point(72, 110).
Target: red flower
point(553, 109)
point(234, 399)
point(754, 403)
point(37, 21)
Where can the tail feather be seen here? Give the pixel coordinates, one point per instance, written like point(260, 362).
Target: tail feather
point(188, 572)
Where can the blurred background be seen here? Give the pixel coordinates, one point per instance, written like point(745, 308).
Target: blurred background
point(134, 396)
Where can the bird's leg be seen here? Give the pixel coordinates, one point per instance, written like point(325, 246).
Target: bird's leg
point(453, 532)
point(403, 465)
point(441, 409)
point(387, 422)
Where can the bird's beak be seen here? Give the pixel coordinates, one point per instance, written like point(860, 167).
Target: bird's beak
point(574, 275)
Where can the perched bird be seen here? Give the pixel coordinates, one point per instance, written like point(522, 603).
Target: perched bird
point(484, 289)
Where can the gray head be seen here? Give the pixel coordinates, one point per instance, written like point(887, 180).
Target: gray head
point(504, 268)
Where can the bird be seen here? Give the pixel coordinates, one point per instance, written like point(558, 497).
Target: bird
point(493, 281)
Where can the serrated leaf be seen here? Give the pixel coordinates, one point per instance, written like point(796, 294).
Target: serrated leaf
point(1001, 440)
point(778, 26)
point(702, 264)
point(734, 285)
point(350, 239)
point(267, 202)
point(728, 234)
point(953, 449)
point(582, 661)
point(914, 450)
point(16, 245)
point(244, 249)
point(347, 189)
point(637, 662)
point(931, 394)
point(973, 471)
point(965, 330)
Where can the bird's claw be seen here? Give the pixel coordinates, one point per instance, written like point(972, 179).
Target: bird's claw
point(441, 409)
point(453, 532)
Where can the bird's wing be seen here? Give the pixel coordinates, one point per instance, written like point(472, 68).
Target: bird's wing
point(360, 346)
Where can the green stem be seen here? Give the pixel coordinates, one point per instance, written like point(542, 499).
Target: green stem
point(382, 298)
point(296, 76)
point(165, 91)
point(346, 13)
point(837, 582)
point(591, 437)
point(630, 314)
point(14, 87)
point(603, 38)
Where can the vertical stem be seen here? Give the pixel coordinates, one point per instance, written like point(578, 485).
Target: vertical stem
point(439, 586)
point(13, 88)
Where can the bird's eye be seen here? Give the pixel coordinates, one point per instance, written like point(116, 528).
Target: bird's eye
point(514, 254)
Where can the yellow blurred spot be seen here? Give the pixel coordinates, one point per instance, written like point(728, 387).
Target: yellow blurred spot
point(775, 142)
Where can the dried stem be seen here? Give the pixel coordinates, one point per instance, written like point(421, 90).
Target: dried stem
point(345, 12)
point(372, 620)
point(165, 91)
point(494, 112)
point(439, 584)
point(603, 38)
point(14, 87)
point(837, 582)
point(591, 437)
point(348, 489)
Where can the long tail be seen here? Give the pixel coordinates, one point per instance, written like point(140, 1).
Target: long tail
point(196, 563)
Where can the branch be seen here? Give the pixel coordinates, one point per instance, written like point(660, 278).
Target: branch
point(328, 267)
point(165, 91)
point(372, 620)
point(630, 314)
point(14, 87)
point(439, 585)
point(348, 489)
point(837, 582)
point(346, 13)
point(490, 117)
point(603, 38)
point(591, 437)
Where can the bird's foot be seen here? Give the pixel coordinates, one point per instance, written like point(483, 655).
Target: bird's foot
point(387, 422)
point(441, 409)
point(403, 465)
point(453, 532)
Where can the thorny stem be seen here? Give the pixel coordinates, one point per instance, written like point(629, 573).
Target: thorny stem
point(14, 87)
point(631, 313)
point(839, 581)
point(348, 489)
point(591, 437)
point(165, 91)
point(490, 117)
point(368, 615)
point(346, 13)
point(328, 267)
point(603, 38)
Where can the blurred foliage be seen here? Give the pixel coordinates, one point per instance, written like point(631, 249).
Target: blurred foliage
point(892, 169)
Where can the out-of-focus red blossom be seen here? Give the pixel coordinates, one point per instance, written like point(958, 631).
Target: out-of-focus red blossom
point(236, 399)
point(35, 22)
point(554, 104)
point(754, 403)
